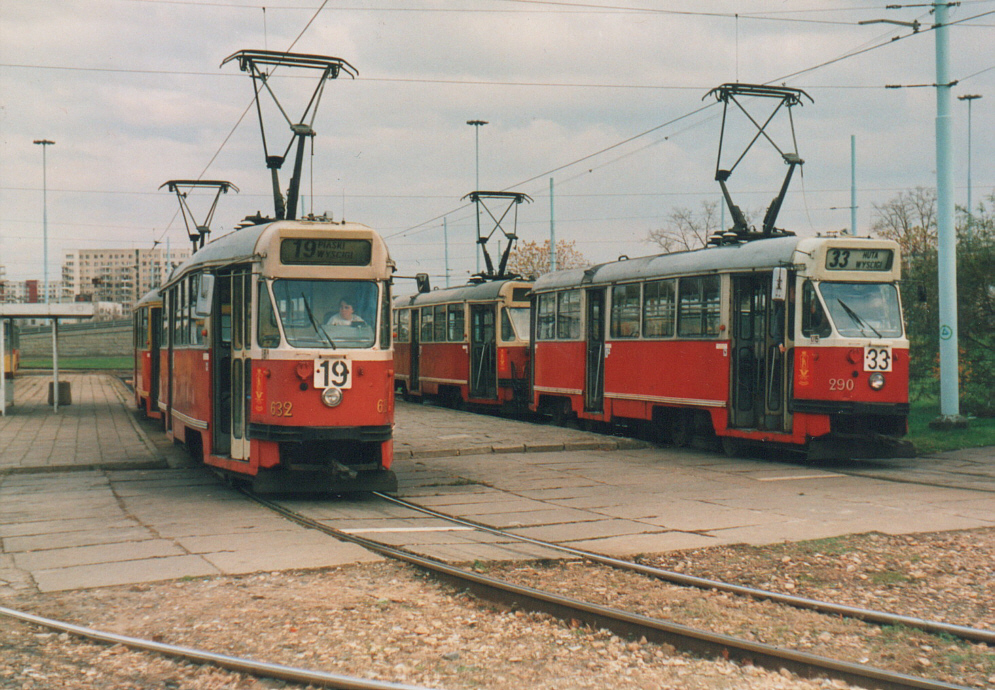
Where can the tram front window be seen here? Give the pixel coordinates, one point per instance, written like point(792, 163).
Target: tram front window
point(327, 313)
point(515, 323)
point(863, 310)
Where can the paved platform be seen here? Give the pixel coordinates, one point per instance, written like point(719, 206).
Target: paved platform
point(93, 496)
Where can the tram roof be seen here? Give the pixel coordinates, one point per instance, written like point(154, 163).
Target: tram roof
point(243, 244)
point(490, 289)
point(748, 256)
point(152, 295)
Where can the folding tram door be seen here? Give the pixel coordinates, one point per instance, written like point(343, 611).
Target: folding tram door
point(758, 392)
point(483, 351)
point(232, 339)
point(594, 384)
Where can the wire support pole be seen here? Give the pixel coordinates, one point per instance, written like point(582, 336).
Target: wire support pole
point(946, 230)
point(44, 143)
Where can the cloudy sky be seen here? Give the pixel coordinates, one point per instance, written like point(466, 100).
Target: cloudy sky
point(607, 99)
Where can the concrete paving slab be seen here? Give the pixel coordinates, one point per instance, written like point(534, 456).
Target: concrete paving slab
point(58, 527)
point(87, 537)
point(651, 542)
point(123, 573)
point(99, 553)
point(584, 531)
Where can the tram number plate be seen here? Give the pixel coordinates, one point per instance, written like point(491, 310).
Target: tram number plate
point(332, 373)
point(877, 358)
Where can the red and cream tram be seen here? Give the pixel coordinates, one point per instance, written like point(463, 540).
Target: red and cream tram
point(147, 318)
point(780, 341)
point(277, 363)
point(465, 345)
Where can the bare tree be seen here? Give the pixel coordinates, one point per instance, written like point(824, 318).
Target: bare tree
point(687, 229)
point(531, 259)
point(910, 220)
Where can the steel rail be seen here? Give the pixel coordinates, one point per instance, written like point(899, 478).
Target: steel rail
point(232, 663)
point(868, 615)
point(625, 623)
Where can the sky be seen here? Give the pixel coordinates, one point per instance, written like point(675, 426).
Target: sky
point(607, 102)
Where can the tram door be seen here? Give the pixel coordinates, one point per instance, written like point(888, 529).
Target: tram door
point(483, 351)
point(414, 383)
point(232, 366)
point(594, 388)
point(758, 395)
point(155, 326)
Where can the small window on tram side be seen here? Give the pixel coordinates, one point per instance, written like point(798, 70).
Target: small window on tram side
point(440, 323)
point(625, 311)
point(195, 328)
point(658, 309)
point(269, 332)
point(385, 331)
point(698, 307)
point(182, 330)
point(426, 325)
point(568, 315)
point(456, 323)
point(404, 325)
point(546, 317)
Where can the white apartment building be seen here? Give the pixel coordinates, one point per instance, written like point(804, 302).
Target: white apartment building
point(116, 275)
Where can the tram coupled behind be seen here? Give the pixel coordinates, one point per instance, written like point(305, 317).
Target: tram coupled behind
point(465, 345)
point(280, 363)
point(783, 341)
point(147, 324)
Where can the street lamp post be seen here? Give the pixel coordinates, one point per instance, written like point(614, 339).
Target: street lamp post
point(970, 210)
point(477, 124)
point(44, 143)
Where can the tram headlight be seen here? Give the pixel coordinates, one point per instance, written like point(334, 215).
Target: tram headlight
point(332, 397)
point(876, 381)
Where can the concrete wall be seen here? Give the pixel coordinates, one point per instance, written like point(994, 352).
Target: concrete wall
point(108, 339)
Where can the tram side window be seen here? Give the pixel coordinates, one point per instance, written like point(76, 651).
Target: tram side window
point(814, 320)
point(427, 325)
point(698, 310)
point(403, 325)
point(440, 323)
point(180, 322)
point(269, 332)
point(456, 323)
point(196, 325)
point(546, 326)
point(658, 309)
point(625, 311)
point(568, 315)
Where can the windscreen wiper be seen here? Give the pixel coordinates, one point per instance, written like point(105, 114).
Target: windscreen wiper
point(314, 323)
point(856, 318)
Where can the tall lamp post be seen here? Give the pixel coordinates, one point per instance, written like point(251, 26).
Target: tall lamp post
point(477, 124)
point(44, 143)
point(970, 210)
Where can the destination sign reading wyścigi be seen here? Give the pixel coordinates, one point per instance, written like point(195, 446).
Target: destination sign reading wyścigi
point(847, 259)
point(325, 252)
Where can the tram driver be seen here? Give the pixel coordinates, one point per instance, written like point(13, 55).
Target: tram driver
point(345, 316)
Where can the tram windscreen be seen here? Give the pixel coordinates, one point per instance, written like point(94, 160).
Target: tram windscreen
point(515, 325)
point(863, 310)
point(330, 314)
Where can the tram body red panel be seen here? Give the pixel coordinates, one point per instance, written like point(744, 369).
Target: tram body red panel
point(402, 361)
point(191, 383)
point(445, 364)
point(513, 365)
point(674, 372)
point(837, 374)
point(277, 398)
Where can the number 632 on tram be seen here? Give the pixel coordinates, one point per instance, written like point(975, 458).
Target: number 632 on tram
point(275, 357)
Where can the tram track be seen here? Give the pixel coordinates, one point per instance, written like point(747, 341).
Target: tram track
point(829, 608)
point(627, 624)
point(261, 669)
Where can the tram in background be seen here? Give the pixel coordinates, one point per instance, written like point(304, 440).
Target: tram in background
point(267, 374)
point(147, 370)
point(465, 345)
point(782, 340)
point(11, 349)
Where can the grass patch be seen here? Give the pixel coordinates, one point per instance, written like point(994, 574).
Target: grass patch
point(888, 577)
point(80, 363)
point(980, 431)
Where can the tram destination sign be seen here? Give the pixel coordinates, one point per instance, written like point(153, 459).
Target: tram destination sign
point(312, 251)
point(850, 259)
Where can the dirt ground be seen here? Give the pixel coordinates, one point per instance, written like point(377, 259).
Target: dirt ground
point(390, 622)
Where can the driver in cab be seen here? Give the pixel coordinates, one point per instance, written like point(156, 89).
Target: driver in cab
point(345, 316)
